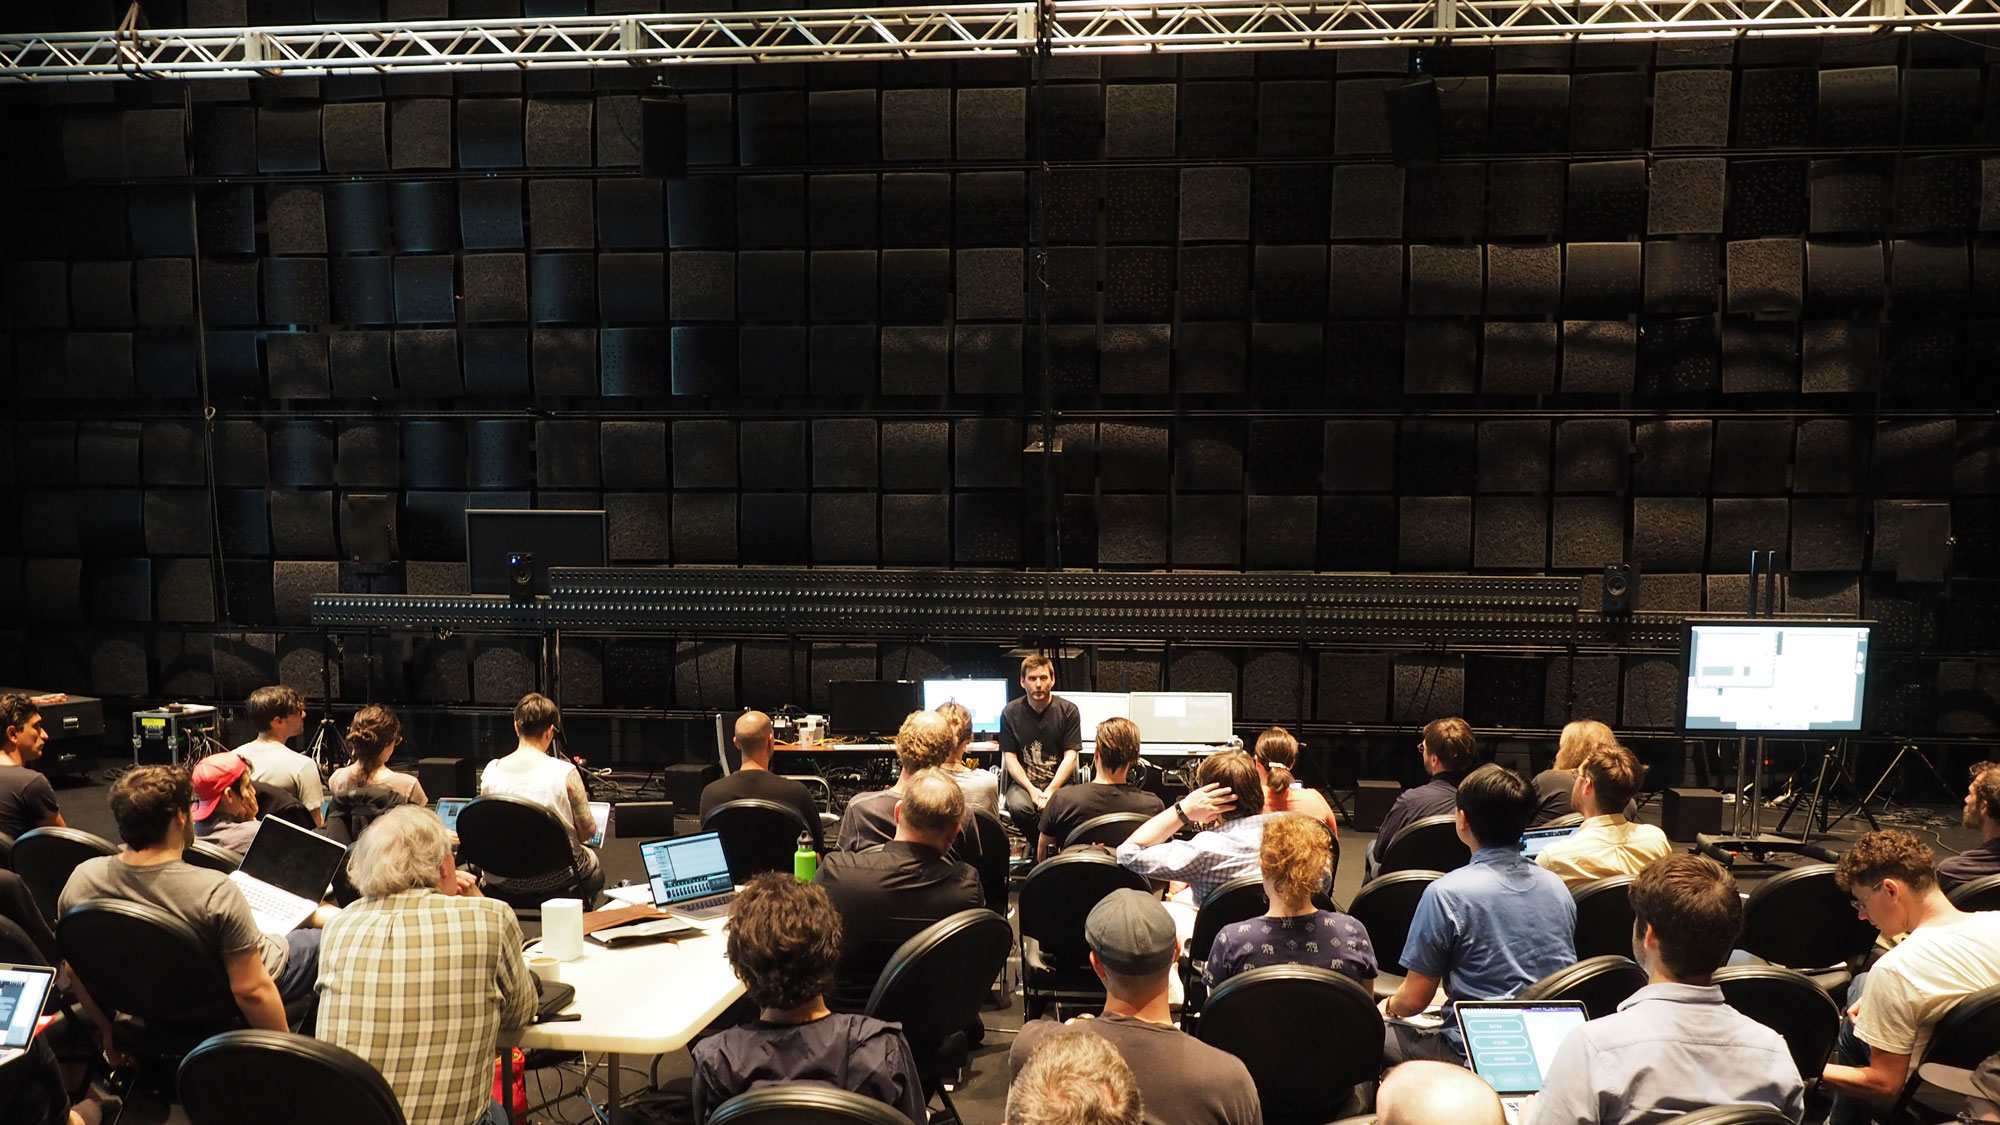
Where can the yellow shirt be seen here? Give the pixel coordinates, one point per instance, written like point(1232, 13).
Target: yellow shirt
point(1604, 846)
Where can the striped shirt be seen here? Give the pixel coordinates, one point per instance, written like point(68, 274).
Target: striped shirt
point(421, 984)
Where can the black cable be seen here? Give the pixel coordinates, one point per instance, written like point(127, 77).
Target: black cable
point(218, 588)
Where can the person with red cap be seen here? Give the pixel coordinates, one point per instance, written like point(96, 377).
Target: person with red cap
point(225, 802)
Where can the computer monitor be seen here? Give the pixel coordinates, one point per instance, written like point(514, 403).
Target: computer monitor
point(1192, 717)
point(984, 698)
point(1757, 678)
point(871, 707)
point(1093, 707)
point(554, 537)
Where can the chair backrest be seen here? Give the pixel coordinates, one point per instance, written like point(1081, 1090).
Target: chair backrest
point(1600, 983)
point(1789, 1003)
point(1801, 919)
point(994, 861)
point(179, 982)
point(1233, 901)
point(1385, 906)
point(1604, 917)
point(757, 835)
point(1430, 844)
point(1967, 1033)
point(1057, 897)
point(16, 947)
point(237, 1077)
point(512, 838)
point(1110, 830)
point(45, 857)
point(353, 810)
point(1730, 1115)
point(936, 982)
point(1979, 894)
point(800, 1104)
point(215, 857)
point(1308, 1036)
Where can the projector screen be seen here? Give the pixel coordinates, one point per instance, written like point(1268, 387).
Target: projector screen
point(1775, 677)
point(984, 698)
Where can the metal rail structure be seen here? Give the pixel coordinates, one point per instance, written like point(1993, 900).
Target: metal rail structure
point(938, 31)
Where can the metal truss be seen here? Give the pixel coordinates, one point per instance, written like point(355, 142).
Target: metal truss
point(939, 31)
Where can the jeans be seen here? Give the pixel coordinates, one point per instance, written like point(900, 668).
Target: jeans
point(1849, 1050)
point(1027, 818)
point(301, 971)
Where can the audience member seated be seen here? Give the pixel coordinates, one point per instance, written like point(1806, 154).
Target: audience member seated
point(1948, 955)
point(1182, 1080)
point(1074, 1078)
point(923, 742)
point(887, 894)
point(784, 941)
point(1436, 1093)
point(225, 802)
point(1675, 1045)
point(1487, 930)
point(1228, 804)
point(1449, 753)
point(371, 738)
point(1982, 815)
point(1295, 862)
point(1553, 786)
point(150, 804)
point(982, 787)
point(531, 773)
point(422, 975)
point(1106, 792)
point(753, 780)
point(279, 714)
point(1041, 736)
point(1607, 843)
point(27, 800)
point(1277, 753)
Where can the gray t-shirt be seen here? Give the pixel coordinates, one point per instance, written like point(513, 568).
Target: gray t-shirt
point(204, 899)
point(1182, 1080)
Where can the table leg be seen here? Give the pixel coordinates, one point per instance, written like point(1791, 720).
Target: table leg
point(611, 1092)
point(507, 1083)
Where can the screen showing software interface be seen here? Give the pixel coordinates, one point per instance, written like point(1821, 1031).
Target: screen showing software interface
point(1776, 677)
point(1512, 1047)
point(20, 1006)
point(689, 867)
point(984, 698)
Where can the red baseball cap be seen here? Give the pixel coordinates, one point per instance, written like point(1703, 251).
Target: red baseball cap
point(213, 776)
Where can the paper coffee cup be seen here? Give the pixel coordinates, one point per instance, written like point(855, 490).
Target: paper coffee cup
point(543, 966)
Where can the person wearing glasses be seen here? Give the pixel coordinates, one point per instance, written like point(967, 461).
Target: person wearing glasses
point(1449, 752)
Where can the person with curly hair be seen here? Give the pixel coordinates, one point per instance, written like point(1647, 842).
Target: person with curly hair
point(784, 942)
point(1295, 860)
point(1982, 815)
point(372, 736)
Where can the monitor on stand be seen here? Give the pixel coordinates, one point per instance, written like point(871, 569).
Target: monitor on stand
point(510, 550)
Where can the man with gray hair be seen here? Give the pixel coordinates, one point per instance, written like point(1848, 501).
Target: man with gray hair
point(422, 975)
point(1074, 1078)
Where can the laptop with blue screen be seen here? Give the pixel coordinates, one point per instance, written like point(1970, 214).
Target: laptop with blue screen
point(689, 876)
point(23, 991)
point(1511, 1043)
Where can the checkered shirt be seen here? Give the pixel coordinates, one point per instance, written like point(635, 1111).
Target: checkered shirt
point(1206, 861)
point(421, 984)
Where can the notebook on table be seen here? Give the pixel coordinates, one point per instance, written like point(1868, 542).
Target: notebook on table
point(1535, 839)
point(689, 876)
point(285, 874)
point(1511, 1043)
point(23, 991)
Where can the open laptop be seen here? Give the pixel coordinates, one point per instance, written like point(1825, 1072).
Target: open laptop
point(689, 876)
point(285, 873)
point(1512, 1042)
point(1535, 839)
point(23, 991)
point(448, 809)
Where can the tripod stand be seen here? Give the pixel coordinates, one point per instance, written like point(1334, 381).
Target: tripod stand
point(1862, 802)
point(1832, 767)
point(328, 749)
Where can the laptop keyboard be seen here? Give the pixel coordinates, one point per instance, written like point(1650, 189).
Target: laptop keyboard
point(267, 899)
point(710, 907)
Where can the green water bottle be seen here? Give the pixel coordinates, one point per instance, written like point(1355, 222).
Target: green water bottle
point(805, 861)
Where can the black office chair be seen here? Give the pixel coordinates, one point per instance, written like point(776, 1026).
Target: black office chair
point(1604, 917)
point(1109, 830)
point(1430, 844)
point(16, 947)
point(757, 835)
point(1964, 1036)
point(1601, 983)
point(513, 840)
point(1384, 906)
point(1802, 920)
point(994, 860)
point(934, 986)
point(215, 857)
point(1789, 1003)
point(238, 1077)
point(1730, 1115)
point(45, 857)
point(1979, 894)
point(804, 1105)
point(1308, 1062)
point(1055, 900)
point(1234, 901)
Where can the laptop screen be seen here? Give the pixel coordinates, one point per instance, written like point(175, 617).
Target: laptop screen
point(600, 811)
point(685, 867)
point(1512, 1042)
point(23, 989)
point(448, 809)
point(1535, 839)
point(292, 859)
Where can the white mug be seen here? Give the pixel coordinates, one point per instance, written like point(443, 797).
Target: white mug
point(543, 966)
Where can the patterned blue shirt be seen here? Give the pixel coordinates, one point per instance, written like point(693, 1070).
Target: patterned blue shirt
point(1212, 858)
point(1322, 939)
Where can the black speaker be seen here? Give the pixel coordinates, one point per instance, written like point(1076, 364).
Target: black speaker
point(1621, 589)
point(447, 777)
point(1416, 127)
point(521, 576)
point(684, 782)
point(638, 820)
point(663, 132)
point(1371, 803)
point(1685, 813)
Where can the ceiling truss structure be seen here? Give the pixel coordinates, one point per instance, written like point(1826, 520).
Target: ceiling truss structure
point(939, 31)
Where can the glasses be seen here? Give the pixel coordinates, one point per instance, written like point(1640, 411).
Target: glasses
point(1862, 907)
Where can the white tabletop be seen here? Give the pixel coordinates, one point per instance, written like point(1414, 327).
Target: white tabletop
point(643, 999)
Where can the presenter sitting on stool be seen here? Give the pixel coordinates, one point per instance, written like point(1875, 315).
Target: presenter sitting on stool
point(1040, 738)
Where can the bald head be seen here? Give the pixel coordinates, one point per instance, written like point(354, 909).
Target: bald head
point(1435, 1093)
point(753, 737)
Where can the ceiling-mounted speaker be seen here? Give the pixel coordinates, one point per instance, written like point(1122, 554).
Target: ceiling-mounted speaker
point(663, 134)
point(1416, 125)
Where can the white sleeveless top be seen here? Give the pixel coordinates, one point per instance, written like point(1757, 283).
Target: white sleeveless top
point(547, 785)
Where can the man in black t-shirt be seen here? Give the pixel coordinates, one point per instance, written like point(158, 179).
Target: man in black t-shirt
point(1040, 736)
point(26, 798)
point(754, 779)
point(1106, 791)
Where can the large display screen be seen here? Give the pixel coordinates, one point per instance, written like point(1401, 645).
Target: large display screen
point(1775, 677)
point(984, 698)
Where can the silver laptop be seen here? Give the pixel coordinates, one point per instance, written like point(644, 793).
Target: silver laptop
point(1535, 839)
point(689, 876)
point(1511, 1043)
point(23, 991)
point(285, 874)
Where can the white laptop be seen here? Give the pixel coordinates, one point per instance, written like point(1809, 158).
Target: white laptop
point(285, 874)
point(689, 876)
point(1512, 1042)
point(23, 991)
point(1184, 718)
point(1093, 707)
point(448, 809)
point(1535, 839)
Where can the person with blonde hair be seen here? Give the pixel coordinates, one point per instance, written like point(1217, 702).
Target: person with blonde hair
point(372, 736)
point(1295, 862)
point(1553, 785)
point(925, 741)
point(1277, 753)
point(982, 787)
point(1074, 1078)
point(1608, 842)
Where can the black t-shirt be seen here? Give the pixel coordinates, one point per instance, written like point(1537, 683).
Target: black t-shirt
point(848, 1052)
point(870, 819)
point(1552, 788)
point(1182, 1081)
point(1071, 805)
point(1975, 862)
point(884, 898)
point(763, 785)
point(1040, 740)
point(26, 799)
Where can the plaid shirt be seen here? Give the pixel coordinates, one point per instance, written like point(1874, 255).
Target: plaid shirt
point(421, 984)
point(1205, 862)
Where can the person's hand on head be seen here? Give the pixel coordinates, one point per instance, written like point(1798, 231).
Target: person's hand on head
point(1207, 804)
